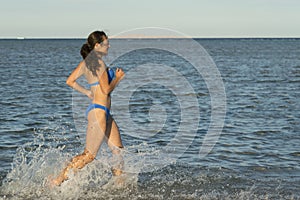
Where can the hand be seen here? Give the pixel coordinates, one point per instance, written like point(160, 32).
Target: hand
point(120, 73)
point(90, 95)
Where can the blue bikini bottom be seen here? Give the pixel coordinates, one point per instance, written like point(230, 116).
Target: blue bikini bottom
point(94, 106)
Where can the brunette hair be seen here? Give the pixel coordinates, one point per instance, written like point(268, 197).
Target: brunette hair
point(87, 52)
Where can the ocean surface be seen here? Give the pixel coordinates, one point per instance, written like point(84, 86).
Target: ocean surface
point(164, 108)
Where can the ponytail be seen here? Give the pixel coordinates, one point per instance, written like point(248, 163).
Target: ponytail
point(85, 50)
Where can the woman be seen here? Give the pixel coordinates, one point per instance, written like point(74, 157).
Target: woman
point(101, 125)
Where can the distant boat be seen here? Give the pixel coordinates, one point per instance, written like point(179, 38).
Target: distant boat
point(20, 38)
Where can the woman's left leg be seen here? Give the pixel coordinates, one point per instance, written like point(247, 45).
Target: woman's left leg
point(114, 142)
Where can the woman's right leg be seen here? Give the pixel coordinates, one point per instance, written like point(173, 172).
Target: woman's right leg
point(95, 130)
point(94, 138)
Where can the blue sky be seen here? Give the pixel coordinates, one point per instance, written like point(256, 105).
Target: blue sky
point(201, 18)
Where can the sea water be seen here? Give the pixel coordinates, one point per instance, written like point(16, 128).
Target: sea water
point(256, 156)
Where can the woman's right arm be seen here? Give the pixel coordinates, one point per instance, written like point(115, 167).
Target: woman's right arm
point(71, 81)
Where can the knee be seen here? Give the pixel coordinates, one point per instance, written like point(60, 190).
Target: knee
point(88, 156)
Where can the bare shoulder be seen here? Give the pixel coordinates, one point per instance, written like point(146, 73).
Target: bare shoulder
point(82, 63)
point(82, 66)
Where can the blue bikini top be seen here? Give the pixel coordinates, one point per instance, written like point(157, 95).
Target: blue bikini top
point(111, 76)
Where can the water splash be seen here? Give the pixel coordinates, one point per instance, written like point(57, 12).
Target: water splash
point(47, 154)
point(35, 162)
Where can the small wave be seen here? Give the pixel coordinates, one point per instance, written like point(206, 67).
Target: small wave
point(265, 132)
point(19, 131)
point(295, 154)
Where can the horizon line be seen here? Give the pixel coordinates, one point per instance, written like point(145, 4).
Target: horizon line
point(164, 37)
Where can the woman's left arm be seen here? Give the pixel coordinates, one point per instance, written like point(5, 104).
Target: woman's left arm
point(109, 87)
point(71, 81)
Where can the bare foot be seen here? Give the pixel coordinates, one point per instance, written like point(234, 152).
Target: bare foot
point(115, 182)
point(118, 177)
point(119, 180)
